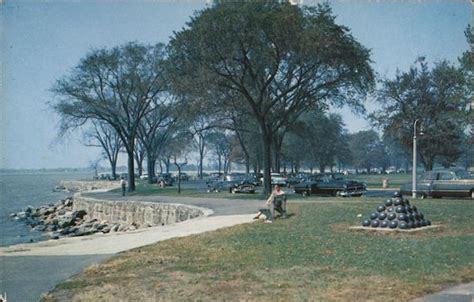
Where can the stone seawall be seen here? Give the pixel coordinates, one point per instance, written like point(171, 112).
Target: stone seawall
point(89, 185)
point(141, 214)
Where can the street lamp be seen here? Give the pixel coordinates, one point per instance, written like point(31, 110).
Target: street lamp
point(413, 191)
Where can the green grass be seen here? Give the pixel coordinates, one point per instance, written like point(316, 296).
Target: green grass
point(375, 181)
point(310, 256)
point(145, 189)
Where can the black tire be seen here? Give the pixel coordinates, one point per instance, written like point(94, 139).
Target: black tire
point(305, 193)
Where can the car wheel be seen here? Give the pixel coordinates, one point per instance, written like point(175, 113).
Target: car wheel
point(337, 193)
point(422, 196)
point(305, 193)
point(472, 194)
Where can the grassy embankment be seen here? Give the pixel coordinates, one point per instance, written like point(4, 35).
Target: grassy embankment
point(310, 256)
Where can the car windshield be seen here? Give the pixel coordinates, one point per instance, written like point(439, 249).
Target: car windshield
point(462, 174)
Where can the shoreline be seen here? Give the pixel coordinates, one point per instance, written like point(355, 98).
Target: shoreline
point(33, 269)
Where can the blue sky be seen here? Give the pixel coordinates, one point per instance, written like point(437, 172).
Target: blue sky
point(41, 41)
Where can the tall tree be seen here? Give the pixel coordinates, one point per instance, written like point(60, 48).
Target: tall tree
point(104, 136)
point(201, 130)
point(139, 154)
point(116, 86)
point(278, 58)
point(221, 145)
point(437, 98)
point(367, 150)
point(157, 127)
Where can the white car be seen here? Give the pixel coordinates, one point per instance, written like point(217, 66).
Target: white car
point(278, 179)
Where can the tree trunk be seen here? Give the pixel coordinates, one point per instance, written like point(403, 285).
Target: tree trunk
point(167, 164)
point(179, 179)
point(247, 164)
point(139, 160)
point(267, 160)
point(131, 171)
point(322, 168)
point(219, 163)
point(151, 170)
point(113, 166)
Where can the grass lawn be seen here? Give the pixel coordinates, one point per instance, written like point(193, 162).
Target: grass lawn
point(143, 188)
point(375, 181)
point(310, 256)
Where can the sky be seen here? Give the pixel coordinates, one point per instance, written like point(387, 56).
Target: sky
point(41, 41)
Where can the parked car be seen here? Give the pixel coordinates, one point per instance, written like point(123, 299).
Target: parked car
point(233, 176)
point(278, 179)
point(167, 178)
point(332, 184)
point(296, 179)
point(443, 183)
point(231, 187)
point(183, 176)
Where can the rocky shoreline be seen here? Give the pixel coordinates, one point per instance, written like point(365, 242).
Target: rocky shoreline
point(58, 220)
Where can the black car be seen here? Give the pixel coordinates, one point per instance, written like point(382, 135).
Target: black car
point(166, 178)
point(231, 187)
point(332, 184)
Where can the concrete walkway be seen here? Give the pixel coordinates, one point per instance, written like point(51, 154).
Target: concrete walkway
point(113, 243)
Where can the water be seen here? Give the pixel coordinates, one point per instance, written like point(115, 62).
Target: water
point(17, 191)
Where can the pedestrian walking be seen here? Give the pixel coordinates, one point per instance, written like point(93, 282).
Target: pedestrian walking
point(123, 183)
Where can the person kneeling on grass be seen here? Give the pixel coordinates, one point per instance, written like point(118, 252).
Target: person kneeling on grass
point(278, 200)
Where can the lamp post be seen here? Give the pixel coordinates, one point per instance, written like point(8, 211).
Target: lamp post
point(414, 159)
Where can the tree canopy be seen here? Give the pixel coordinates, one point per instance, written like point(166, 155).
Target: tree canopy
point(437, 97)
point(278, 59)
point(116, 86)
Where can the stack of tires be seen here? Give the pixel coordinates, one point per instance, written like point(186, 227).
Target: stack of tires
point(396, 213)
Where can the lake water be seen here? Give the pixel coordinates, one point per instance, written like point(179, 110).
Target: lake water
point(17, 191)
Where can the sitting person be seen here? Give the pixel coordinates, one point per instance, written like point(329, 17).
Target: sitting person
point(278, 200)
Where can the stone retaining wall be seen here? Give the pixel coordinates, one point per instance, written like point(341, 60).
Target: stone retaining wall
point(136, 212)
point(86, 185)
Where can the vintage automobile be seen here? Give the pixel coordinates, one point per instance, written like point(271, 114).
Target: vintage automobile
point(332, 184)
point(296, 179)
point(166, 178)
point(443, 183)
point(231, 187)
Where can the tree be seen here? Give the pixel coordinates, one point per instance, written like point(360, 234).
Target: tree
point(367, 150)
point(201, 129)
point(139, 154)
point(317, 139)
point(104, 136)
point(221, 145)
point(156, 128)
point(279, 59)
point(437, 98)
point(398, 155)
point(116, 86)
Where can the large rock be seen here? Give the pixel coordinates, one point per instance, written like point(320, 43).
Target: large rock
point(65, 221)
point(79, 214)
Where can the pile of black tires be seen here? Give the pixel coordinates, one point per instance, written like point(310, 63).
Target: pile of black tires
point(396, 213)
